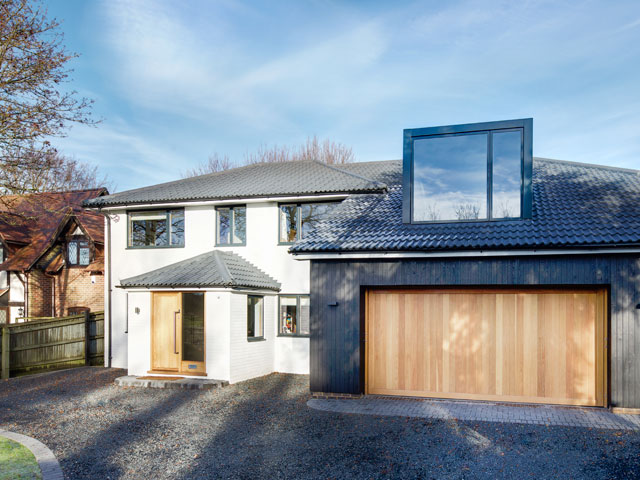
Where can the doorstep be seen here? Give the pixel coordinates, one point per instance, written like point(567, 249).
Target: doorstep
point(189, 383)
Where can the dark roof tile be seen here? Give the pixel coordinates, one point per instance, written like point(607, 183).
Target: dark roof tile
point(574, 205)
point(258, 180)
point(212, 269)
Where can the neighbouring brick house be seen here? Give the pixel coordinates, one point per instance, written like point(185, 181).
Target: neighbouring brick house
point(51, 255)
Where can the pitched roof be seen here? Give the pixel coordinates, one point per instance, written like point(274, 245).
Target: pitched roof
point(35, 220)
point(574, 205)
point(212, 269)
point(258, 180)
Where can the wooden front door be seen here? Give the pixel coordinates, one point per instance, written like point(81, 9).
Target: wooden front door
point(178, 333)
point(501, 345)
point(165, 331)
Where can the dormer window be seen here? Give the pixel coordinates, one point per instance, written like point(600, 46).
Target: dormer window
point(468, 172)
point(78, 252)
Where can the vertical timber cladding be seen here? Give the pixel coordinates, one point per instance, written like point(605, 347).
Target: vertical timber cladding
point(538, 346)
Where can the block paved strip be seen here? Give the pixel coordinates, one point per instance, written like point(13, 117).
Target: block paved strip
point(47, 461)
point(480, 411)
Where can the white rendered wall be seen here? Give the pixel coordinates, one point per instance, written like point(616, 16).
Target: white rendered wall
point(16, 287)
point(218, 334)
point(139, 333)
point(16, 294)
point(4, 279)
point(250, 359)
point(292, 354)
point(261, 249)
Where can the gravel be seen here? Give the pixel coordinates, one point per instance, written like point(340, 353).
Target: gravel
point(262, 428)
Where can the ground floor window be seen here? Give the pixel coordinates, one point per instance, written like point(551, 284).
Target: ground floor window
point(294, 315)
point(255, 317)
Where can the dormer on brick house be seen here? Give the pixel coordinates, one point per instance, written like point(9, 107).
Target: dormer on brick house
point(53, 255)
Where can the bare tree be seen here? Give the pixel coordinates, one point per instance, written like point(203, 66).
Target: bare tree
point(467, 211)
point(57, 173)
point(34, 104)
point(215, 163)
point(327, 151)
point(265, 154)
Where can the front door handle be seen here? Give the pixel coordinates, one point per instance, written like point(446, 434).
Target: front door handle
point(175, 315)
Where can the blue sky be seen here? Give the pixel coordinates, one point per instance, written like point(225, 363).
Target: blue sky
point(175, 81)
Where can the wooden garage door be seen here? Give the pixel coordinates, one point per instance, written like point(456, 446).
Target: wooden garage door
point(501, 345)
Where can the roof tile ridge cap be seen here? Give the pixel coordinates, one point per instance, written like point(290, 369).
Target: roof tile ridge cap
point(217, 255)
point(337, 169)
point(169, 183)
point(590, 165)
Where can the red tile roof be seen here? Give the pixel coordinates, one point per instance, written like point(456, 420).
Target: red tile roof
point(36, 220)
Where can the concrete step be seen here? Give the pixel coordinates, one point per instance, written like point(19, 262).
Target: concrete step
point(185, 382)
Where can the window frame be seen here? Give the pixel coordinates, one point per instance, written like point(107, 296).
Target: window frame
point(298, 297)
point(76, 240)
point(261, 337)
point(232, 230)
point(299, 215)
point(526, 166)
point(168, 220)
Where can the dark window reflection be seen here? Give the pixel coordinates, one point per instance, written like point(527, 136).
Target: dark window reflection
point(450, 178)
point(507, 160)
point(310, 214)
point(288, 223)
point(239, 225)
point(193, 327)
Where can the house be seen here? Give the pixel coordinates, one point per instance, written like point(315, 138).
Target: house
point(51, 255)
point(482, 273)
point(201, 281)
point(467, 270)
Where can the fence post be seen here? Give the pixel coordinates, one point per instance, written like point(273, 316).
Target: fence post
point(5, 353)
point(87, 338)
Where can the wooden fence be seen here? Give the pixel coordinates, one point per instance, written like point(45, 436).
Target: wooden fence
point(49, 344)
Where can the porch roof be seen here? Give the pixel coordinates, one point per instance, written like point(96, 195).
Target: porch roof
point(212, 269)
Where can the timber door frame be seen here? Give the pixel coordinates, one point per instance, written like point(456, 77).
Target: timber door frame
point(182, 368)
point(601, 333)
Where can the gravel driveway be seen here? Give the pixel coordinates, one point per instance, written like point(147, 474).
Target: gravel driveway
point(263, 429)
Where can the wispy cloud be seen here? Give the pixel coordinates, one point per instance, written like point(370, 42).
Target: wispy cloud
point(185, 79)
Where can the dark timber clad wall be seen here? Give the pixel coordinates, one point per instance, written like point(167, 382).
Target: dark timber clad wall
point(336, 337)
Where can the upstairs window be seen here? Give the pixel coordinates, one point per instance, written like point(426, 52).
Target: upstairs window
point(231, 225)
point(78, 252)
point(468, 172)
point(297, 219)
point(157, 228)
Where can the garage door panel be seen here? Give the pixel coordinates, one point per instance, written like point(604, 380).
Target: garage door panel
point(502, 345)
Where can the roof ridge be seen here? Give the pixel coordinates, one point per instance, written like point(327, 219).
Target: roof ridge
point(224, 270)
point(337, 169)
point(589, 165)
point(206, 175)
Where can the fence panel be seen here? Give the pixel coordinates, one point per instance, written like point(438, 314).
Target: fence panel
point(54, 343)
